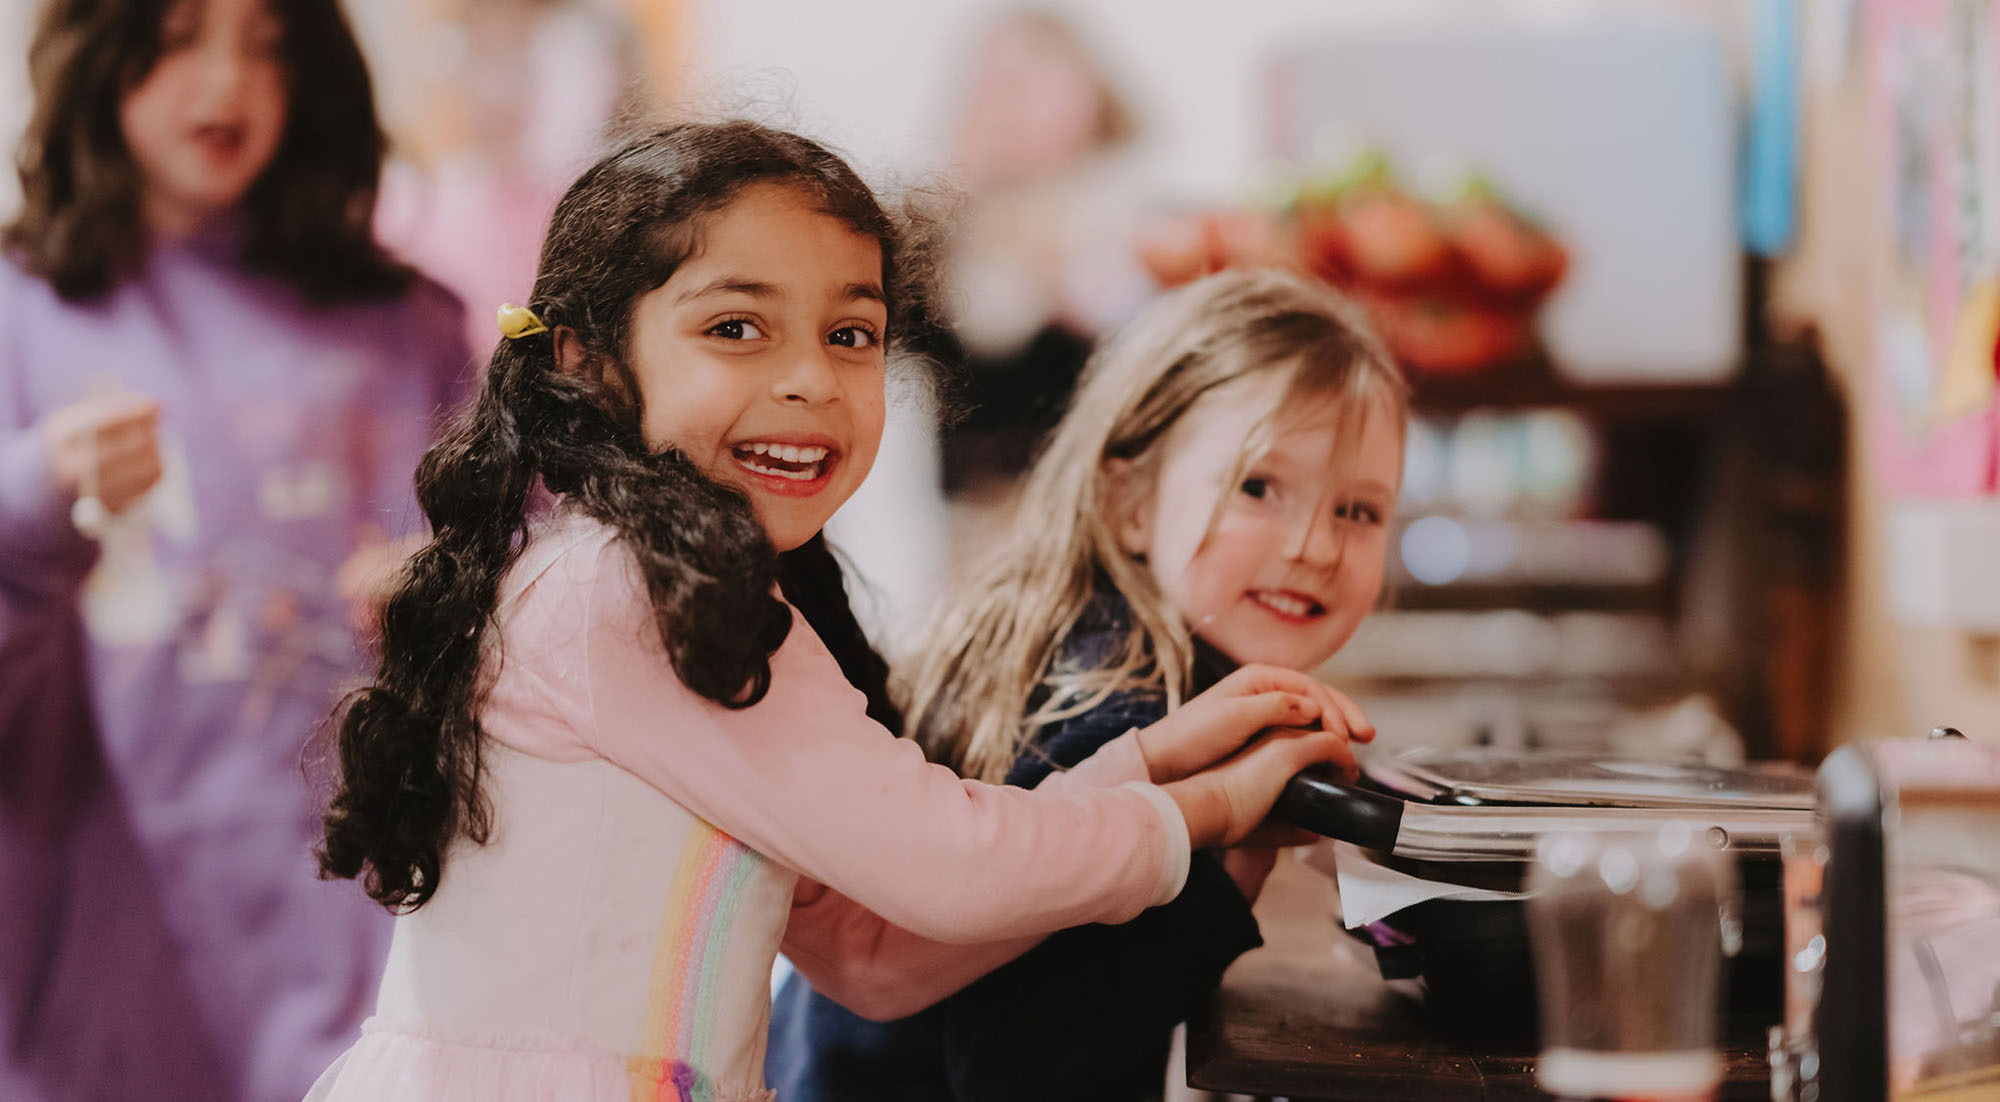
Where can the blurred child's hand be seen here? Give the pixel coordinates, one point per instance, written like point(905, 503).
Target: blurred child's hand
point(106, 446)
point(1226, 803)
point(1217, 723)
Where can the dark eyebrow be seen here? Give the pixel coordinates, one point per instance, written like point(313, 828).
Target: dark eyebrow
point(729, 285)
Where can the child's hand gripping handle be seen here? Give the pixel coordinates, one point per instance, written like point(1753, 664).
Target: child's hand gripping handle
point(1227, 756)
point(1225, 803)
point(1220, 722)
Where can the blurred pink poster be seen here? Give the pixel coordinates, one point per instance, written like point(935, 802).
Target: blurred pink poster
point(1935, 89)
point(498, 133)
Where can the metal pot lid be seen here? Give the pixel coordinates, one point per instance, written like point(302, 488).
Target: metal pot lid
point(1586, 779)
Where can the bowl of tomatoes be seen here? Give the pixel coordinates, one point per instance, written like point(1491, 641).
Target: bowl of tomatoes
point(1453, 285)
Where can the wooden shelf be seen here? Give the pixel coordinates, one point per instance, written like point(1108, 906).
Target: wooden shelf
point(1533, 383)
point(1408, 595)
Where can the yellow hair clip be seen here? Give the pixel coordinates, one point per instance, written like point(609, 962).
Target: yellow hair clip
point(519, 321)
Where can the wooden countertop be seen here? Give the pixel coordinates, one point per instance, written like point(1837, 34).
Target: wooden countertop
point(1308, 1017)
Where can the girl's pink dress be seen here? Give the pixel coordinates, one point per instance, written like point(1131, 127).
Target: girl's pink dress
point(652, 852)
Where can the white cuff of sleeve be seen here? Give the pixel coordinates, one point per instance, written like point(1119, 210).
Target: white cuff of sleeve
point(1174, 870)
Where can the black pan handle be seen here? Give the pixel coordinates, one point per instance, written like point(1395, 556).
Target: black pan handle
point(1317, 800)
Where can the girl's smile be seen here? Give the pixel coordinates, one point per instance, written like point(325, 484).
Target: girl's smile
point(1287, 605)
point(792, 466)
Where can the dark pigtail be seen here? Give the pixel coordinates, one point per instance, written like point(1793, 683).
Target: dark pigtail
point(813, 582)
point(409, 743)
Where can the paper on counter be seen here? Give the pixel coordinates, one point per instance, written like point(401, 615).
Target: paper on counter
point(1370, 892)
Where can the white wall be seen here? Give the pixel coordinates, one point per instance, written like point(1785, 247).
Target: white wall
point(17, 22)
point(880, 78)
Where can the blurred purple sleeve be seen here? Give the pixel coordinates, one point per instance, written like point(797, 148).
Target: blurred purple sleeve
point(43, 558)
point(44, 710)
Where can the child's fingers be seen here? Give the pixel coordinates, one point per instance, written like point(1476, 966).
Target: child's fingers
point(139, 438)
point(127, 451)
point(78, 438)
point(128, 443)
point(119, 486)
point(1244, 721)
point(1212, 727)
point(1260, 775)
point(1338, 711)
point(1272, 709)
point(1296, 750)
point(1274, 760)
point(1336, 707)
point(1259, 678)
point(128, 479)
point(114, 417)
point(1358, 726)
point(1331, 748)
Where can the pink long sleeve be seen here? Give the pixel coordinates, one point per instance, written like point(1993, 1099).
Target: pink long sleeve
point(884, 972)
point(805, 778)
point(877, 970)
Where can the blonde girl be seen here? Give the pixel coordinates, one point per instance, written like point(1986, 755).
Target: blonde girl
point(1217, 495)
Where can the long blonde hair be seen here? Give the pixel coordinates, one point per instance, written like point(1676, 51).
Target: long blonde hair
point(986, 679)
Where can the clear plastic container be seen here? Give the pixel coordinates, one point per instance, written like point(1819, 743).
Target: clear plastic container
point(1629, 932)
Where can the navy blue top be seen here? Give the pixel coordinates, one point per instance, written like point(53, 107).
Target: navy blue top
point(1088, 1014)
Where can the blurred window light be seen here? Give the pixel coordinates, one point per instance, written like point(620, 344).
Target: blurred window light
point(1440, 550)
point(1436, 550)
point(1485, 455)
point(1426, 463)
point(1558, 454)
point(1510, 644)
point(1494, 550)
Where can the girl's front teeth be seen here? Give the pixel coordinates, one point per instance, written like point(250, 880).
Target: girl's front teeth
point(790, 453)
point(799, 463)
point(1285, 604)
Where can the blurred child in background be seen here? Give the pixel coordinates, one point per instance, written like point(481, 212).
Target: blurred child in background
point(214, 388)
point(499, 134)
point(1042, 257)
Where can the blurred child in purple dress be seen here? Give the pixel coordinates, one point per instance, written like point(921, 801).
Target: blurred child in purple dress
point(214, 388)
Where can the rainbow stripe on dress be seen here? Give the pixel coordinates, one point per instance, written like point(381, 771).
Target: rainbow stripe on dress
point(687, 968)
